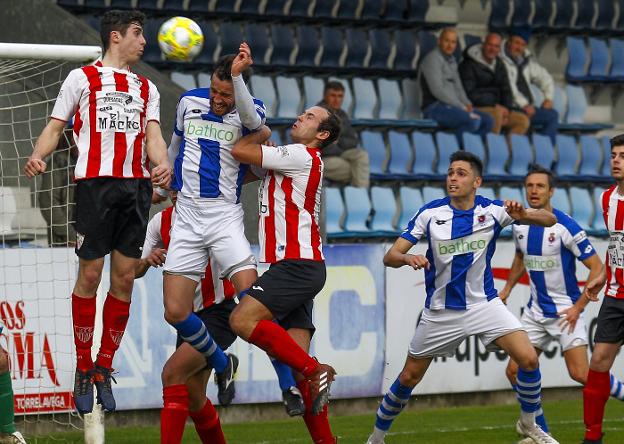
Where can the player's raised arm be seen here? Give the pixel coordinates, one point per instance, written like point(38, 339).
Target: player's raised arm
point(397, 256)
point(529, 216)
point(249, 149)
point(251, 117)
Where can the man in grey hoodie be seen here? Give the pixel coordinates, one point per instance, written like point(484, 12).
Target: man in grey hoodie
point(444, 98)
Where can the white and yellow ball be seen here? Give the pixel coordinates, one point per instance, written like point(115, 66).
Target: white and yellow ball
point(180, 39)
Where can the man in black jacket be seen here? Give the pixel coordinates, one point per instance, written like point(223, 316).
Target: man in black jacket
point(485, 80)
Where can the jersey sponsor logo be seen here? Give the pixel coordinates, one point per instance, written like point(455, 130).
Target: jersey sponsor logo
point(205, 129)
point(118, 122)
point(541, 263)
point(463, 245)
point(615, 251)
point(116, 97)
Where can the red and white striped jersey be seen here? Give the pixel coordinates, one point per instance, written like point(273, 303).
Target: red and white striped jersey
point(211, 290)
point(613, 213)
point(111, 108)
point(290, 202)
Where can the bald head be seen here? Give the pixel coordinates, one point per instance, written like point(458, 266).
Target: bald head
point(447, 42)
point(491, 46)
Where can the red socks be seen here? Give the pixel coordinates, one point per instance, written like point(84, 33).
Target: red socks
point(116, 313)
point(174, 413)
point(207, 424)
point(83, 318)
point(595, 396)
point(277, 342)
point(318, 425)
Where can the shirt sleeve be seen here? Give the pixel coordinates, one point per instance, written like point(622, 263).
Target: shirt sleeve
point(575, 239)
point(500, 213)
point(69, 95)
point(287, 159)
point(153, 239)
point(153, 104)
point(416, 227)
point(178, 132)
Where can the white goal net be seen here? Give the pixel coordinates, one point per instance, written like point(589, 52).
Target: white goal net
point(37, 263)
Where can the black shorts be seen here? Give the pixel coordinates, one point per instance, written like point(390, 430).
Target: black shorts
point(610, 328)
point(216, 318)
point(288, 289)
point(111, 214)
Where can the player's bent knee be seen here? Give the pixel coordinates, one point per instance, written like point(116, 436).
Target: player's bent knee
point(511, 372)
point(529, 362)
point(239, 322)
point(578, 376)
point(170, 376)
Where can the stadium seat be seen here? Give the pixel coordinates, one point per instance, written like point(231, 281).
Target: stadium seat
point(249, 7)
point(231, 37)
point(577, 104)
point(283, 40)
point(447, 145)
point(582, 206)
point(196, 7)
point(425, 155)
point(544, 150)
point(563, 16)
point(358, 208)
point(275, 9)
point(577, 60)
point(417, 11)
point(560, 200)
point(498, 156)
point(147, 5)
point(289, 96)
point(152, 53)
point(606, 14)
point(395, 10)
point(381, 47)
point(93, 4)
point(276, 137)
point(313, 89)
point(401, 155)
point(299, 9)
point(597, 223)
point(427, 42)
point(606, 157)
point(616, 72)
point(407, 50)
point(308, 46)
point(471, 39)
point(487, 191)
point(211, 41)
point(172, 6)
point(262, 86)
point(431, 193)
point(334, 210)
point(390, 106)
point(498, 15)
point(332, 41)
point(508, 192)
point(323, 9)
point(541, 20)
point(591, 158)
point(521, 155)
point(184, 80)
point(411, 99)
point(258, 34)
point(521, 13)
point(371, 10)
point(225, 6)
point(357, 48)
point(473, 143)
point(373, 143)
point(92, 21)
point(347, 9)
point(411, 202)
point(585, 12)
point(568, 157)
point(599, 66)
point(560, 102)
point(365, 99)
point(385, 206)
point(619, 24)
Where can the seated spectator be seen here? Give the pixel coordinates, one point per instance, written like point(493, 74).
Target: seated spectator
point(344, 160)
point(522, 70)
point(485, 81)
point(444, 98)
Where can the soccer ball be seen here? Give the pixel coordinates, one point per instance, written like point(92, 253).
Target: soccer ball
point(180, 39)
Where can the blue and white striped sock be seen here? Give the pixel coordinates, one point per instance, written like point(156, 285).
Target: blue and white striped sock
point(540, 419)
point(529, 394)
point(193, 331)
point(391, 405)
point(617, 388)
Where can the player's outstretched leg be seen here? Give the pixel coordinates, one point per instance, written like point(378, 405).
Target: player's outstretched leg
point(317, 423)
point(512, 372)
point(291, 395)
point(529, 394)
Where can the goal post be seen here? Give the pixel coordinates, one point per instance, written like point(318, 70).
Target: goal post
point(37, 264)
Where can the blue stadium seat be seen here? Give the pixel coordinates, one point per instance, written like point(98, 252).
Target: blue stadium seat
point(194, 6)
point(385, 206)
point(582, 206)
point(568, 156)
point(427, 42)
point(358, 208)
point(577, 60)
point(577, 104)
point(447, 145)
point(283, 40)
point(332, 42)
point(411, 202)
point(313, 89)
point(599, 66)
point(249, 7)
point(544, 150)
point(401, 155)
point(147, 5)
point(473, 143)
point(381, 47)
point(508, 192)
point(606, 150)
point(68, 3)
point(225, 6)
point(276, 137)
point(152, 53)
point(411, 99)
point(431, 193)
point(606, 14)
point(561, 200)
point(560, 102)
point(597, 223)
point(373, 143)
point(372, 10)
point(521, 13)
point(120, 4)
point(498, 156)
point(390, 105)
point(563, 16)
point(365, 99)
point(471, 39)
point(616, 73)
point(619, 24)
point(417, 11)
point(585, 11)
point(591, 158)
point(308, 46)
point(323, 9)
point(258, 35)
point(93, 21)
point(407, 50)
point(299, 9)
point(334, 210)
point(425, 155)
point(357, 48)
point(521, 155)
point(498, 15)
point(231, 37)
point(487, 191)
point(94, 4)
point(262, 86)
point(275, 9)
point(347, 9)
point(289, 96)
point(541, 20)
point(395, 10)
point(211, 41)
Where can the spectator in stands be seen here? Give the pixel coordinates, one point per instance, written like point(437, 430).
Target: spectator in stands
point(56, 195)
point(444, 98)
point(523, 70)
point(344, 160)
point(485, 81)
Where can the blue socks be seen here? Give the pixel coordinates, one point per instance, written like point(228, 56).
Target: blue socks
point(392, 404)
point(193, 331)
point(284, 375)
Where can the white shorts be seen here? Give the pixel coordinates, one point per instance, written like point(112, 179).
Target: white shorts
point(216, 228)
point(542, 331)
point(440, 332)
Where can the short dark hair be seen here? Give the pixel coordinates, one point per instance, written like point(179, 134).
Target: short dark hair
point(223, 69)
point(536, 168)
point(116, 20)
point(473, 160)
point(331, 124)
point(617, 141)
point(333, 85)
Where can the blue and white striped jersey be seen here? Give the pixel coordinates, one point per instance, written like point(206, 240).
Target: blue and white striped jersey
point(550, 255)
point(461, 246)
point(201, 148)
